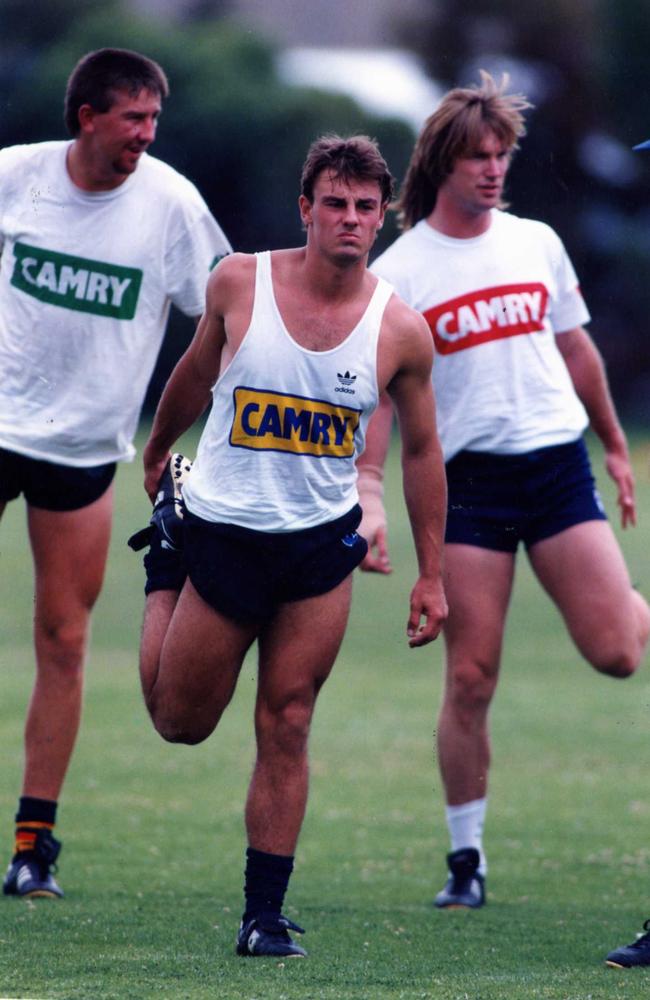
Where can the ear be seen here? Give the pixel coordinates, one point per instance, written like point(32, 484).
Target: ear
point(86, 116)
point(305, 207)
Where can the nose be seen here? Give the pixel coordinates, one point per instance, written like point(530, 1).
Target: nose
point(496, 166)
point(148, 129)
point(351, 216)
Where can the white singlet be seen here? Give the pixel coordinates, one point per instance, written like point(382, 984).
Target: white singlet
point(494, 304)
point(86, 282)
point(278, 449)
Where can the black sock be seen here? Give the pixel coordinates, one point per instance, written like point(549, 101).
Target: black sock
point(36, 810)
point(267, 878)
point(33, 815)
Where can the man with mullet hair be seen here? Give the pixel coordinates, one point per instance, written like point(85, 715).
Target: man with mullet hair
point(517, 380)
point(267, 543)
point(98, 239)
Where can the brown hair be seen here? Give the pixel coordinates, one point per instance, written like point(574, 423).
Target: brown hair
point(99, 74)
point(355, 158)
point(456, 128)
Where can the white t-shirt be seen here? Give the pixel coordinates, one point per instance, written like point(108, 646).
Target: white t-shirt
point(86, 282)
point(494, 304)
point(287, 423)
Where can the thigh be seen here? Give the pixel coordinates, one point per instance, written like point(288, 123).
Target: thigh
point(583, 571)
point(200, 661)
point(299, 646)
point(70, 550)
point(478, 584)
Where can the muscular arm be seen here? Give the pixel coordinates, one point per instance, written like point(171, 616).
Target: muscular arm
point(188, 390)
point(587, 372)
point(423, 475)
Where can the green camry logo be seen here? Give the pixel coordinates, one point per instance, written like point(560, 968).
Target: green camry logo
point(89, 286)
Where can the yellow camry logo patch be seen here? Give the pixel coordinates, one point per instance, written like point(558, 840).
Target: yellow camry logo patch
point(273, 421)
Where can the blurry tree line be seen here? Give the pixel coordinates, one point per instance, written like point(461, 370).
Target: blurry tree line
point(230, 124)
point(240, 134)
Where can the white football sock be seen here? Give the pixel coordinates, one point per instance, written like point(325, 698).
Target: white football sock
point(465, 824)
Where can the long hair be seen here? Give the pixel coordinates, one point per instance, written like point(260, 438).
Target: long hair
point(456, 128)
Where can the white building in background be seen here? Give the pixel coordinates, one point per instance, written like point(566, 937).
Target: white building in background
point(337, 45)
point(388, 82)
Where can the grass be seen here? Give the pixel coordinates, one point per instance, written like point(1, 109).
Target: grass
point(154, 839)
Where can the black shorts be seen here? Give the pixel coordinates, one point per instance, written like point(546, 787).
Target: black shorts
point(496, 501)
point(246, 574)
point(51, 486)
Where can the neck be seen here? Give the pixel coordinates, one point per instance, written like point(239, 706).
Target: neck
point(330, 278)
point(457, 224)
point(86, 175)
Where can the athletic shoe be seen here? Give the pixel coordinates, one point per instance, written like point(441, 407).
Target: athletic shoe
point(465, 886)
point(637, 953)
point(29, 873)
point(167, 516)
point(266, 934)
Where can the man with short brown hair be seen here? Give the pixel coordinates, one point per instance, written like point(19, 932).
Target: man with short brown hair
point(292, 349)
point(98, 239)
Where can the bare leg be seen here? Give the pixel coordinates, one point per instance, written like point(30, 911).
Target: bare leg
point(584, 572)
point(190, 681)
point(70, 550)
point(297, 653)
point(478, 584)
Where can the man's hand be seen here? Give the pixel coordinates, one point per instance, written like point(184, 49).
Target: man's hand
point(373, 525)
point(428, 611)
point(154, 466)
point(618, 466)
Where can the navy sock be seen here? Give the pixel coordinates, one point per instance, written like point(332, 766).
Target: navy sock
point(33, 815)
point(267, 878)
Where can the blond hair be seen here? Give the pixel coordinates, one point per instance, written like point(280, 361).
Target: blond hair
point(456, 128)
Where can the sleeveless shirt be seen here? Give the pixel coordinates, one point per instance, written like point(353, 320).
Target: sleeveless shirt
point(278, 449)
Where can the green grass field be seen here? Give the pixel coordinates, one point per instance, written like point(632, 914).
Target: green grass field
point(154, 840)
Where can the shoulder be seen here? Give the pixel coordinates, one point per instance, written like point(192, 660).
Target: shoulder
point(164, 178)
point(405, 328)
point(19, 157)
point(232, 275)
point(396, 257)
point(534, 228)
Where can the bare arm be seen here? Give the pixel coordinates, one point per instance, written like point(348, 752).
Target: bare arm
point(188, 390)
point(587, 372)
point(370, 466)
point(423, 474)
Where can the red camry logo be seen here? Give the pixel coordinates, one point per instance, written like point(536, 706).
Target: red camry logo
point(488, 314)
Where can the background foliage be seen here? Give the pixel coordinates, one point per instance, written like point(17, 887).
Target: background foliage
point(240, 133)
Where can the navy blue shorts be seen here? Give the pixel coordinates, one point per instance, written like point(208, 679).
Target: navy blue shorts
point(246, 574)
point(497, 501)
point(51, 486)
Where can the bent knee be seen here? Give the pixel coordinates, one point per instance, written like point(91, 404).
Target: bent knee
point(174, 732)
point(178, 727)
point(620, 664)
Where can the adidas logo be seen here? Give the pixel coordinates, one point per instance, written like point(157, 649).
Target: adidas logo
point(346, 381)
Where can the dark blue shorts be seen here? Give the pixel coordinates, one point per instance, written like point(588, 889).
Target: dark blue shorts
point(51, 486)
point(246, 574)
point(497, 501)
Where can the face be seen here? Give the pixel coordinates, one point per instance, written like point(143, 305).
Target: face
point(476, 183)
point(118, 137)
point(343, 219)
